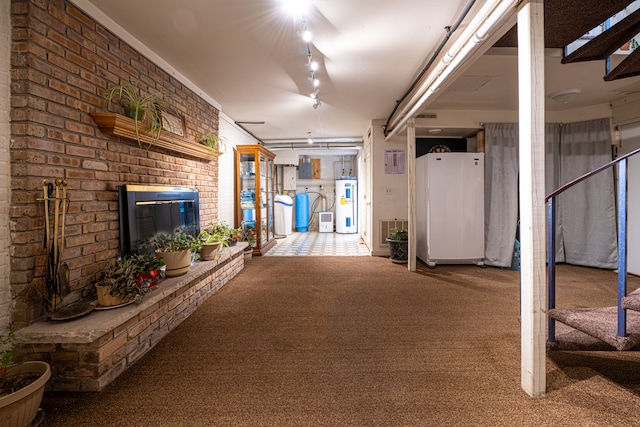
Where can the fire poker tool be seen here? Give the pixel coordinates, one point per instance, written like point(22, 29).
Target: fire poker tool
point(63, 269)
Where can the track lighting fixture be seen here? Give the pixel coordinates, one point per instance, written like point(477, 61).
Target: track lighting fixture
point(309, 139)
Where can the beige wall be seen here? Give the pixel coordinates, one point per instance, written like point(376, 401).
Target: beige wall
point(390, 192)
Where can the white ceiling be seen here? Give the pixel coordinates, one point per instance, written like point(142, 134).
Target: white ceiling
point(247, 55)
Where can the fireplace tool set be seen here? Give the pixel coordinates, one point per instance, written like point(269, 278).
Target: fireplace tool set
point(57, 278)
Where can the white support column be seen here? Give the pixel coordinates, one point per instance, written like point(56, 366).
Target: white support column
point(532, 207)
point(411, 185)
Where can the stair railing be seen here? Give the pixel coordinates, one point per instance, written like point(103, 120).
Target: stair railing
point(622, 241)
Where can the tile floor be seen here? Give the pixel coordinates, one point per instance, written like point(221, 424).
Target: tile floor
point(314, 243)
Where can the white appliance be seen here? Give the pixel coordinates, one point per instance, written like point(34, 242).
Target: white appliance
point(283, 215)
point(450, 208)
point(346, 205)
point(326, 222)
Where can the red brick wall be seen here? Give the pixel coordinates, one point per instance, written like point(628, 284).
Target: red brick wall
point(63, 64)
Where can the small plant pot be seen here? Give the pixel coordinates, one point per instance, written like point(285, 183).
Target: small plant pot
point(107, 300)
point(19, 408)
point(178, 263)
point(134, 113)
point(398, 251)
point(248, 254)
point(209, 251)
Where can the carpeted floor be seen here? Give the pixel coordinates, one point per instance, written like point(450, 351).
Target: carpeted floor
point(360, 341)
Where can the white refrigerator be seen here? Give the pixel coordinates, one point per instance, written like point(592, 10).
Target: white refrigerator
point(450, 208)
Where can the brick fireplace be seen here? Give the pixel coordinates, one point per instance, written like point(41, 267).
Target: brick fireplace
point(62, 65)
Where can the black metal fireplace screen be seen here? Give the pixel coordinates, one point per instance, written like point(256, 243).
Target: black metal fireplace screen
point(147, 210)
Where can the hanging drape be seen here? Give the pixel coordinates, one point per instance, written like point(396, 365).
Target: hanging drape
point(501, 192)
point(586, 228)
point(588, 213)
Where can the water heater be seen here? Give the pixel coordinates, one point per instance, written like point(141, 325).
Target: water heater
point(346, 205)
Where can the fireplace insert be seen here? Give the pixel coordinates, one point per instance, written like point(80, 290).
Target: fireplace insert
point(147, 210)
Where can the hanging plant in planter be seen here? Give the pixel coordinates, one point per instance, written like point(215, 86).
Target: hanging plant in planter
point(398, 242)
point(142, 108)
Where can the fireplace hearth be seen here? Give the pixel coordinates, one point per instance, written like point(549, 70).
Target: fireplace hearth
point(147, 210)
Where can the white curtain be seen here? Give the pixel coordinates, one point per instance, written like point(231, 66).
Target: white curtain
point(588, 213)
point(501, 192)
point(585, 227)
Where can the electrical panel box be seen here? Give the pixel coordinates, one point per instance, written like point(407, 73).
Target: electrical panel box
point(289, 178)
point(305, 170)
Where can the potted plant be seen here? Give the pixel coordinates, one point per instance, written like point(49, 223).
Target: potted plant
point(21, 386)
point(249, 236)
point(175, 250)
point(209, 139)
point(150, 270)
point(139, 107)
point(120, 283)
point(398, 242)
point(214, 238)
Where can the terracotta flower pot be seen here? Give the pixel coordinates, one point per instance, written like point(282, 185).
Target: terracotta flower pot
point(19, 408)
point(178, 263)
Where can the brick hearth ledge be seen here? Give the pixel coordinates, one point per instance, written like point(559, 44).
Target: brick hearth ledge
point(87, 353)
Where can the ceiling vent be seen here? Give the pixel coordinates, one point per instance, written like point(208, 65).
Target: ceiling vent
point(427, 116)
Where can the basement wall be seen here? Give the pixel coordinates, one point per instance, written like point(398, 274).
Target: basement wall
point(62, 64)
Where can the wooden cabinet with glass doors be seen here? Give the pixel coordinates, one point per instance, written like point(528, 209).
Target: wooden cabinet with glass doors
point(255, 196)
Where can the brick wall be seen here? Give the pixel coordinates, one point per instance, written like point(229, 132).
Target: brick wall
point(5, 188)
point(62, 65)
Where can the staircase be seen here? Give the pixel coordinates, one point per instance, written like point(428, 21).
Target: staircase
point(617, 326)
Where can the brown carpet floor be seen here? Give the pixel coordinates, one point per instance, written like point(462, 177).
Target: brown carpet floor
point(360, 341)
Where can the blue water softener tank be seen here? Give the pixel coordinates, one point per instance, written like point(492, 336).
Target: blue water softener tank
point(302, 212)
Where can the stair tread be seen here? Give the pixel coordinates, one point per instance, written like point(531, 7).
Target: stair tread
point(632, 301)
point(601, 323)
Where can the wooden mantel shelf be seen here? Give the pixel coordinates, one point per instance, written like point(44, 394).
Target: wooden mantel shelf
point(119, 125)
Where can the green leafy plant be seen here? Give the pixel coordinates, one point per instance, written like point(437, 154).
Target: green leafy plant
point(220, 232)
point(145, 108)
point(249, 236)
point(9, 384)
point(211, 140)
point(146, 263)
point(121, 279)
point(6, 353)
point(178, 241)
point(398, 234)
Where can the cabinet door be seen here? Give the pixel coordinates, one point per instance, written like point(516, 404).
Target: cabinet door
point(264, 199)
point(270, 200)
point(247, 189)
